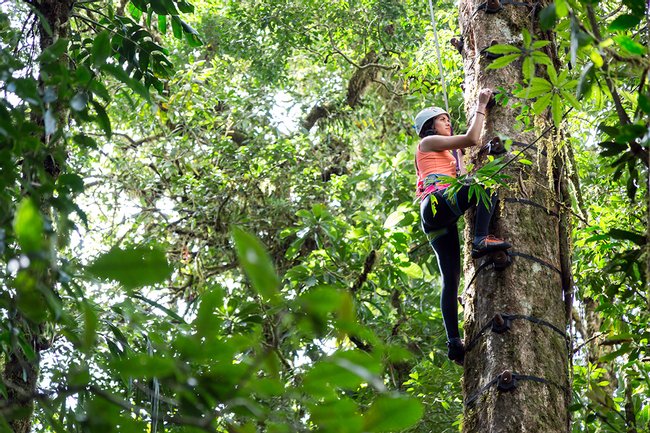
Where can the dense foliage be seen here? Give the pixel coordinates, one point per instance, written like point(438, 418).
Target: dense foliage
point(207, 218)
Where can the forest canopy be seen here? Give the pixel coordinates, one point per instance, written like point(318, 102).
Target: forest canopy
point(207, 215)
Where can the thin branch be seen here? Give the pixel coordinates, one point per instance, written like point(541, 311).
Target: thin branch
point(356, 65)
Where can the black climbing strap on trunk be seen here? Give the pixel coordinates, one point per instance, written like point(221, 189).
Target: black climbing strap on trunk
point(507, 381)
point(489, 261)
point(501, 323)
point(534, 259)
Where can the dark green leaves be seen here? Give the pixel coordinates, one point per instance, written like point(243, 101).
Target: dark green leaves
point(624, 22)
point(133, 267)
point(101, 49)
point(257, 264)
point(28, 226)
point(548, 17)
point(389, 414)
point(629, 45)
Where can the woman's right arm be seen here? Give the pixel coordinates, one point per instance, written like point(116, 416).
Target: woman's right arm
point(437, 143)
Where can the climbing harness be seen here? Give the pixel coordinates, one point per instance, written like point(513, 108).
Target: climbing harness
point(508, 381)
point(501, 323)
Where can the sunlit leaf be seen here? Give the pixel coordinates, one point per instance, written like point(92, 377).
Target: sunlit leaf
point(257, 264)
point(28, 226)
point(132, 267)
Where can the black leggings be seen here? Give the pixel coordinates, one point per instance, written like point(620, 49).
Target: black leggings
point(442, 231)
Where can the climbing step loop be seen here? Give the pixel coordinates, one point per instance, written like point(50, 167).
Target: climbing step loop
point(508, 381)
point(497, 262)
point(502, 322)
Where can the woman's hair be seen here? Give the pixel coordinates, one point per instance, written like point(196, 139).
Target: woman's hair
point(428, 128)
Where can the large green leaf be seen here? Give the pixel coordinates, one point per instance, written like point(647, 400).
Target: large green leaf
point(101, 49)
point(132, 267)
point(389, 414)
point(257, 264)
point(28, 226)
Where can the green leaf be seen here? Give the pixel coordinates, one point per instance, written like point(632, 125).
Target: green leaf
point(561, 8)
point(625, 348)
point(340, 416)
point(412, 270)
point(528, 68)
point(101, 48)
point(28, 226)
point(542, 103)
point(207, 321)
point(596, 58)
point(556, 110)
point(177, 27)
point(538, 87)
point(394, 219)
point(503, 49)
point(257, 264)
point(637, 238)
point(526, 36)
point(70, 181)
point(629, 45)
point(503, 61)
point(548, 17)
point(637, 7)
point(54, 52)
point(155, 304)
point(624, 22)
point(525, 161)
point(84, 140)
point(389, 414)
point(122, 76)
point(644, 102)
point(90, 327)
point(587, 77)
point(571, 98)
point(541, 58)
point(162, 24)
point(143, 366)
point(540, 44)
point(102, 118)
point(132, 267)
point(552, 74)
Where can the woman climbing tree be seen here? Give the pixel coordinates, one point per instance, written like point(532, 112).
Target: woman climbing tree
point(436, 155)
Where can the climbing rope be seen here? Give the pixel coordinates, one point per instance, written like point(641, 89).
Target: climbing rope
point(435, 38)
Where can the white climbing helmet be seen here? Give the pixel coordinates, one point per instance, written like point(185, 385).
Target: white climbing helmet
point(426, 114)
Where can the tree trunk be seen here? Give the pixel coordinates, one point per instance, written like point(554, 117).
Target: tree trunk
point(21, 369)
point(534, 285)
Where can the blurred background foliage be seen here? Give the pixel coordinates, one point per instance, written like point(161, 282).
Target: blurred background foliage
point(207, 218)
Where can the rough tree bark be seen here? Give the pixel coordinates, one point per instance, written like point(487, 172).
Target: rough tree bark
point(527, 287)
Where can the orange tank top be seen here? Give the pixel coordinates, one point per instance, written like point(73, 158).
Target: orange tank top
point(427, 163)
